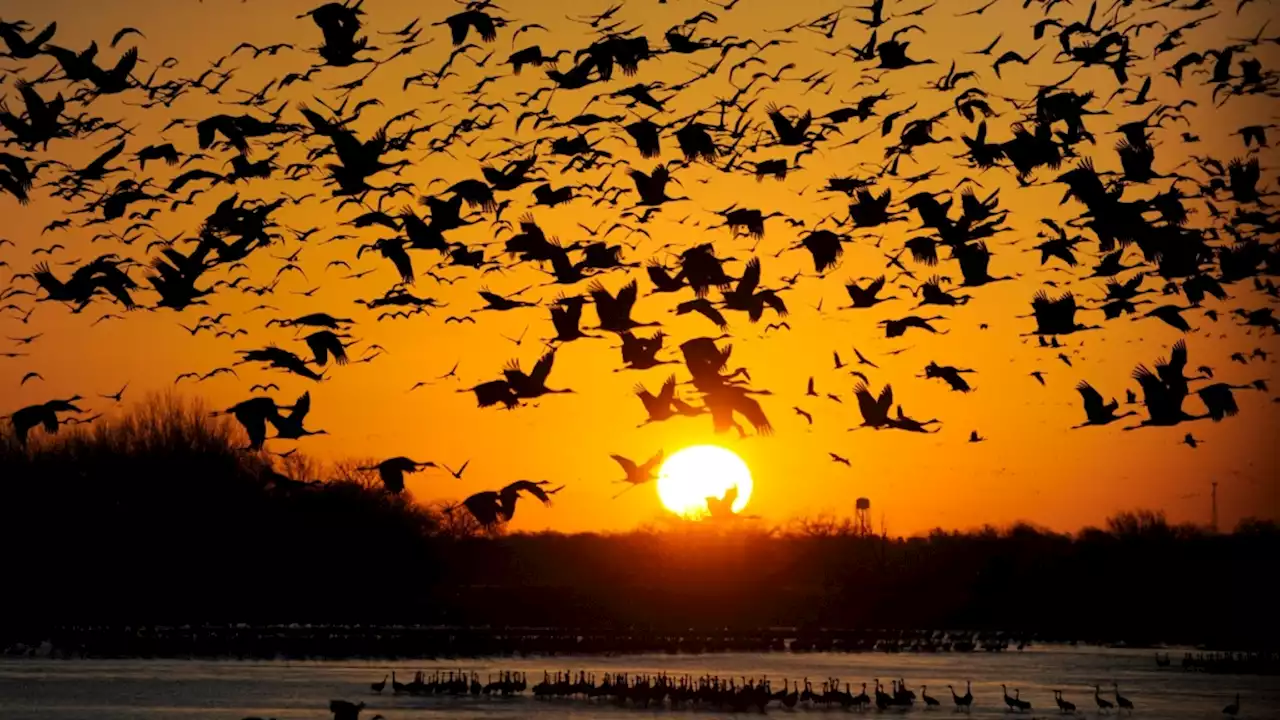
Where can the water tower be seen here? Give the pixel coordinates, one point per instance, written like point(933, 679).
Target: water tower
point(862, 517)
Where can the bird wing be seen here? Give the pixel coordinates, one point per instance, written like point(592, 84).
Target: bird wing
point(885, 401)
point(319, 344)
point(1178, 357)
point(866, 403)
point(750, 409)
point(542, 370)
point(875, 287)
point(493, 392)
point(1093, 404)
point(627, 297)
point(628, 465)
point(301, 407)
point(750, 277)
point(710, 312)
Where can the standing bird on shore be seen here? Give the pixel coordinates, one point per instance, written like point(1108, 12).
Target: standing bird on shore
point(1103, 704)
point(1122, 702)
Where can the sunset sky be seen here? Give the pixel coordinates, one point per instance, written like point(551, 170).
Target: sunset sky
point(1032, 466)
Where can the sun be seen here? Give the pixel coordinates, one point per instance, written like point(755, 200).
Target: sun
point(696, 473)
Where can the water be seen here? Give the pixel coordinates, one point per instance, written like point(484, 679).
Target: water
point(40, 689)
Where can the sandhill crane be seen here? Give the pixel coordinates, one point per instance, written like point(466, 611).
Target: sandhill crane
point(1103, 704)
point(638, 474)
point(21, 48)
point(641, 353)
point(1064, 705)
point(1122, 702)
point(703, 307)
point(279, 358)
point(118, 78)
point(665, 405)
point(1163, 400)
point(702, 269)
point(392, 471)
point(866, 297)
point(533, 384)
point(875, 411)
point(253, 415)
point(652, 186)
point(320, 320)
point(737, 219)
point(1098, 412)
point(494, 392)
point(613, 311)
point(290, 427)
point(721, 508)
point(962, 702)
point(722, 401)
point(898, 327)
point(566, 318)
point(788, 132)
point(1056, 317)
point(661, 278)
point(497, 302)
point(1009, 700)
point(1234, 708)
point(44, 414)
point(491, 507)
point(974, 261)
point(746, 297)
point(485, 25)
point(1219, 401)
point(953, 376)
point(326, 343)
point(379, 686)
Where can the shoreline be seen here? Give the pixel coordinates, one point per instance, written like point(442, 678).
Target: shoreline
point(328, 643)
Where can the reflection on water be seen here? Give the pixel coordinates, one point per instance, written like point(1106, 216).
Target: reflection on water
point(231, 690)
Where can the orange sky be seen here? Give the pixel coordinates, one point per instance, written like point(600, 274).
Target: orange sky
point(1032, 467)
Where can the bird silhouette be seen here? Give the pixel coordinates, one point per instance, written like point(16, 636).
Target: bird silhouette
point(44, 415)
point(638, 474)
point(492, 507)
point(392, 471)
point(290, 427)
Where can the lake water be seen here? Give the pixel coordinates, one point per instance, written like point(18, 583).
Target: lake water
point(42, 689)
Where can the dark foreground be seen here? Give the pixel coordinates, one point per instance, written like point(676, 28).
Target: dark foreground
point(161, 518)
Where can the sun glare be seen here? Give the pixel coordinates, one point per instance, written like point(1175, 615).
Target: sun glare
point(696, 473)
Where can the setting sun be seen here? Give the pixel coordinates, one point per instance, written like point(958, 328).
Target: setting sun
point(696, 473)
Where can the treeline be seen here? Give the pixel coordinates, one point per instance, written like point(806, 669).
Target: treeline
point(157, 517)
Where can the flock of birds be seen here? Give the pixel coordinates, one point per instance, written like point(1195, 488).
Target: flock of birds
point(712, 692)
point(1150, 241)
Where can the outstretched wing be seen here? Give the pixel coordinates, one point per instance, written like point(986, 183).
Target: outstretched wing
point(628, 465)
point(301, 407)
point(542, 370)
point(750, 277)
point(1093, 403)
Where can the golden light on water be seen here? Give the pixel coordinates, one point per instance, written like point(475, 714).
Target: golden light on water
point(696, 473)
